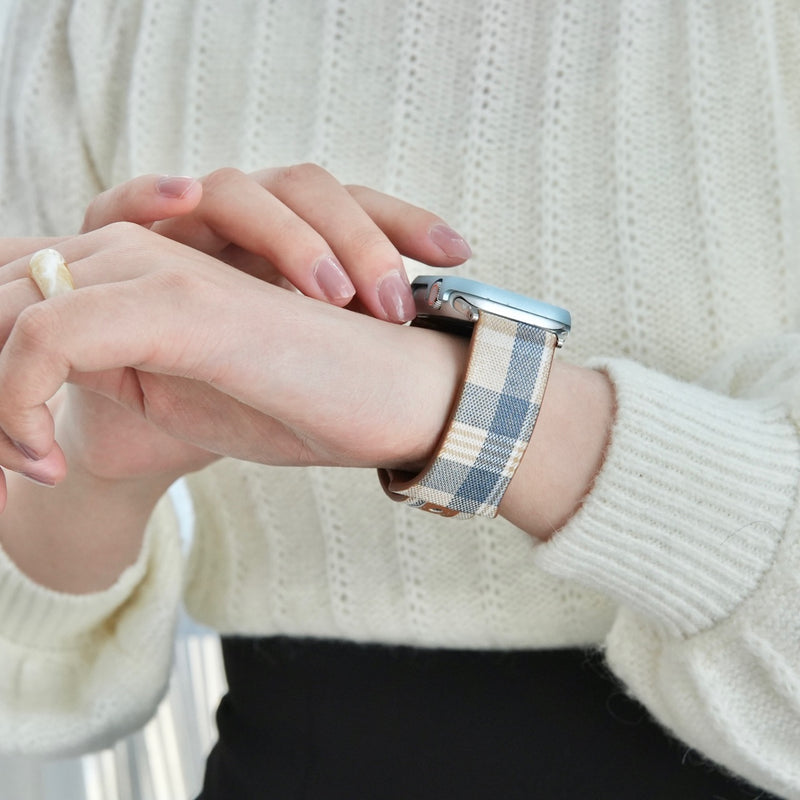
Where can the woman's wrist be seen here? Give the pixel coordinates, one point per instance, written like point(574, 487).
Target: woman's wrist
point(435, 375)
point(565, 452)
point(566, 449)
point(79, 536)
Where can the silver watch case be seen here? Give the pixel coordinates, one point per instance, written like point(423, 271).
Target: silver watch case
point(460, 301)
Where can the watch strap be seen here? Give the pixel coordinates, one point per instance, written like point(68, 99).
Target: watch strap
point(490, 424)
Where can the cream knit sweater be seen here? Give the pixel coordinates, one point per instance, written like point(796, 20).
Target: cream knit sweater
point(636, 162)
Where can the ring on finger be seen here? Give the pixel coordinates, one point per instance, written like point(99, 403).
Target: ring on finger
point(50, 273)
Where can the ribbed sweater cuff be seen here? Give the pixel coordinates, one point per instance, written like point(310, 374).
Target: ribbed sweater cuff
point(37, 617)
point(689, 506)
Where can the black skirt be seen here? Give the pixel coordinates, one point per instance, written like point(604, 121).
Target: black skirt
point(319, 720)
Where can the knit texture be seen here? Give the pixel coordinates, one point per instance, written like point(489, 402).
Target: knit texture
point(635, 163)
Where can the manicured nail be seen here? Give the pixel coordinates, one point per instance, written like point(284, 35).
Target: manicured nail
point(174, 186)
point(29, 453)
point(332, 279)
point(394, 293)
point(452, 244)
point(38, 481)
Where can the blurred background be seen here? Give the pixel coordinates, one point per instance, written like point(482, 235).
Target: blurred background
point(165, 760)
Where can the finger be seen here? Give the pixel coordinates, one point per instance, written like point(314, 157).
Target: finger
point(11, 249)
point(103, 327)
point(35, 361)
point(118, 252)
point(45, 470)
point(237, 209)
point(367, 254)
point(144, 200)
point(254, 265)
point(17, 289)
point(415, 232)
point(14, 299)
point(127, 251)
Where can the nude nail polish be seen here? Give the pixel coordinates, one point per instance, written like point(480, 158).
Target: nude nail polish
point(333, 280)
point(174, 186)
point(394, 293)
point(452, 244)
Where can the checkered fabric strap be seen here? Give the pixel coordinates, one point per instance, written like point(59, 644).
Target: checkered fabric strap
point(490, 425)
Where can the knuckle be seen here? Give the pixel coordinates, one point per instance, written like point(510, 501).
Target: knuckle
point(124, 229)
point(222, 177)
point(304, 173)
point(357, 191)
point(371, 244)
point(293, 235)
point(176, 281)
point(36, 327)
point(120, 234)
point(183, 289)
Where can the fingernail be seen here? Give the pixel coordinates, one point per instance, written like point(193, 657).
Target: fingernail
point(452, 244)
point(38, 481)
point(30, 454)
point(332, 279)
point(394, 293)
point(174, 186)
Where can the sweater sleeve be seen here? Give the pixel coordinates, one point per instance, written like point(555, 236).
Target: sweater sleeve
point(692, 528)
point(78, 672)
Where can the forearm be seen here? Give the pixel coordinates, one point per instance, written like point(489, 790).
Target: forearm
point(79, 536)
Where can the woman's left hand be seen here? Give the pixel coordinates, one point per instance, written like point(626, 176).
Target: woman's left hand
point(219, 361)
point(296, 225)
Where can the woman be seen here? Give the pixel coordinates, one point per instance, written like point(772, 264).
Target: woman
point(634, 165)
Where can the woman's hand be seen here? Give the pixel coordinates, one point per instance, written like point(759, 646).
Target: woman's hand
point(296, 224)
point(209, 360)
point(278, 225)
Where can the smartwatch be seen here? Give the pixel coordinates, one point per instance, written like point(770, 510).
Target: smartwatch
point(513, 339)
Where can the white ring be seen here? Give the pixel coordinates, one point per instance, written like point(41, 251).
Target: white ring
point(50, 273)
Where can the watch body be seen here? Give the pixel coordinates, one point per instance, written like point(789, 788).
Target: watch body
point(462, 300)
point(513, 339)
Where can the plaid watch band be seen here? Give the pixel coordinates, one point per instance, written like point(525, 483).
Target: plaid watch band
point(491, 425)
